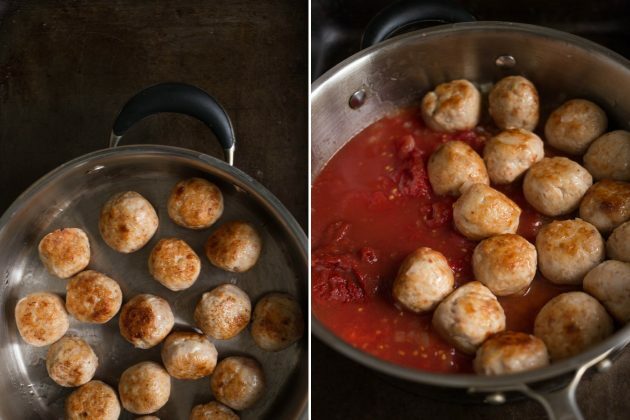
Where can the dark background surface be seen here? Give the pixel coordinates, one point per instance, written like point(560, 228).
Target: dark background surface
point(343, 389)
point(67, 67)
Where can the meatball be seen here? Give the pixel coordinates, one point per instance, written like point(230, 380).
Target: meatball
point(93, 297)
point(618, 244)
point(609, 282)
point(510, 352)
point(568, 249)
point(174, 264)
point(452, 106)
point(505, 264)
point(573, 126)
point(454, 167)
point(423, 280)
point(511, 153)
point(144, 388)
point(514, 103)
point(277, 322)
point(146, 320)
point(148, 418)
point(570, 323)
point(41, 318)
point(212, 410)
point(65, 252)
point(188, 355)
point(234, 246)
point(609, 156)
point(127, 222)
point(94, 400)
point(223, 312)
point(606, 205)
point(195, 203)
point(238, 382)
point(483, 211)
point(468, 316)
point(555, 186)
point(71, 362)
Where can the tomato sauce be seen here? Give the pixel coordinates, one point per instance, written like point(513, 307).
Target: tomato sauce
point(371, 206)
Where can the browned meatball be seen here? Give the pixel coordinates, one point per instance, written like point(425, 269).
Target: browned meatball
point(94, 400)
point(618, 244)
point(65, 252)
point(514, 103)
point(452, 106)
point(93, 297)
point(234, 246)
point(127, 222)
point(575, 125)
point(510, 352)
point(509, 154)
point(195, 203)
point(144, 388)
point(188, 355)
point(71, 362)
point(213, 411)
point(146, 320)
point(483, 211)
point(606, 205)
point(41, 318)
point(423, 280)
point(609, 282)
point(223, 312)
point(570, 323)
point(238, 382)
point(454, 167)
point(174, 264)
point(609, 156)
point(277, 322)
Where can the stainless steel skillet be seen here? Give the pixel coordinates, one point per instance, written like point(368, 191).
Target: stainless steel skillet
point(72, 195)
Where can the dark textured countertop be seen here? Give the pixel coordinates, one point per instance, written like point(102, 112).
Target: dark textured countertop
point(343, 389)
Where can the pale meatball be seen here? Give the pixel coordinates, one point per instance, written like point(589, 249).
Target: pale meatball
point(570, 323)
point(609, 282)
point(212, 411)
point(94, 400)
point(609, 156)
point(514, 103)
point(468, 316)
point(65, 252)
point(423, 280)
point(505, 264)
point(146, 320)
point(238, 382)
point(93, 297)
point(618, 244)
point(41, 318)
point(454, 167)
point(174, 264)
point(223, 312)
point(127, 222)
point(234, 246)
point(573, 126)
point(510, 352)
point(606, 205)
point(188, 355)
point(71, 362)
point(195, 203)
point(511, 153)
point(144, 388)
point(555, 186)
point(452, 106)
point(277, 322)
point(568, 249)
point(483, 211)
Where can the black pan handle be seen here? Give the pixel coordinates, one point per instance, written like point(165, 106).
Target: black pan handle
point(406, 13)
point(182, 99)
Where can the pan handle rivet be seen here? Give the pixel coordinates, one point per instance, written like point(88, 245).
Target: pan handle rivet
point(357, 99)
point(604, 365)
point(495, 399)
point(505, 61)
point(94, 169)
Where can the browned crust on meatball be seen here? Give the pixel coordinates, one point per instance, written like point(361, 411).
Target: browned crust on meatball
point(507, 347)
point(41, 318)
point(140, 322)
point(277, 322)
point(213, 410)
point(184, 362)
point(195, 203)
point(234, 246)
point(94, 400)
point(606, 204)
point(220, 314)
point(71, 361)
point(65, 252)
point(93, 297)
point(238, 382)
point(144, 388)
point(174, 264)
